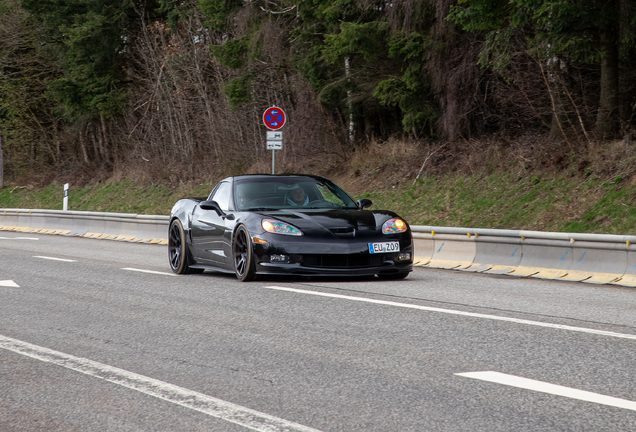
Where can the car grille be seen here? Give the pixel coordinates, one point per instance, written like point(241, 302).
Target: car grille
point(343, 261)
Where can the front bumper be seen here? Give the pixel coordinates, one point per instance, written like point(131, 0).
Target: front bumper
point(350, 258)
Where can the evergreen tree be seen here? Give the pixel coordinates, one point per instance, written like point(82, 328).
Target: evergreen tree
point(578, 31)
point(89, 40)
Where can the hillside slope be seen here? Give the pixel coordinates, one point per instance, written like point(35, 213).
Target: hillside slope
point(495, 186)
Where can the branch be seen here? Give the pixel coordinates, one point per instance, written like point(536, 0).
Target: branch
point(576, 108)
point(532, 107)
point(281, 12)
point(426, 160)
point(554, 110)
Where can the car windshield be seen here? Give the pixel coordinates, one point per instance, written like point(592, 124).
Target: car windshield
point(289, 192)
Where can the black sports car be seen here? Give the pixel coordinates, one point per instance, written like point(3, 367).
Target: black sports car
point(287, 225)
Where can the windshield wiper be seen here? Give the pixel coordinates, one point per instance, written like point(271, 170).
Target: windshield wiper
point(329, 208)
point(260, 209)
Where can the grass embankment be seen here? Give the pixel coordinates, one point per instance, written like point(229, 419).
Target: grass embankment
point(501, 200)
point(124, 196)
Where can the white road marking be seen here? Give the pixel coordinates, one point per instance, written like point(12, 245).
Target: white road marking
point(460, 313)
point(9, 283)
point(200, 402)
point(19, 238)
point(55, 259)
point(149, 271)
point(544, 387)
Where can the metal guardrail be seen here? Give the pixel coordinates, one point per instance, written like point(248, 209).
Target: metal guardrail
point(112, 226)
point(593, 258)
point(523, 235)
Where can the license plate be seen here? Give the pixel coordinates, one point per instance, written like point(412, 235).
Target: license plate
point(384, 247)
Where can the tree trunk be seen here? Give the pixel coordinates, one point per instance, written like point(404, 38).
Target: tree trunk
point(352, 125)
point(625, 51)
point(104, 134)
point(58, 144)
point(98, 145)
point(83, 146)
point(1, 165)
point(607, 117)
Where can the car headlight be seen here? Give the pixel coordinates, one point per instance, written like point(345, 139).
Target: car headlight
point(278, 227)
point(393, 226)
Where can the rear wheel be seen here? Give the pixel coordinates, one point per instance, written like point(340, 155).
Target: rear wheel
point(242, 255)
point(178, 249)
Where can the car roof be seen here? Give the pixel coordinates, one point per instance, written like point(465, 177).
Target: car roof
point(273, 176)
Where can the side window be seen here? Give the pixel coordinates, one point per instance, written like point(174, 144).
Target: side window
point(213, 192)
point(328, 195)
point(222, 196)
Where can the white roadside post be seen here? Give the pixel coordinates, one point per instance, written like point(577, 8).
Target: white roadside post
point(274, 119)
point(66, 197)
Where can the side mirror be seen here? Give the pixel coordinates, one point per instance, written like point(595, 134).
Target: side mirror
point(364, 203)
point(211, 205)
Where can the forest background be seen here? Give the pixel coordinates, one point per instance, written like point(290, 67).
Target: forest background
point(419, 104)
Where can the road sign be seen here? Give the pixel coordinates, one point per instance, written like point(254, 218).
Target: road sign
point(274, 140)
point(274, 118)
point(274, 135)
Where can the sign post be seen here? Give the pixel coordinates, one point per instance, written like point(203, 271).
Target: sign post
point(274, 119)
point(274, 142)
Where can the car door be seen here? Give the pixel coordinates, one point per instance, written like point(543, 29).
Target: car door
point(208, 229)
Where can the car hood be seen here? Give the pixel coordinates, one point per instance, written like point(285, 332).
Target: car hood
point(331, 219)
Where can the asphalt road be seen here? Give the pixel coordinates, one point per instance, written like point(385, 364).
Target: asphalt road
point(89, 343)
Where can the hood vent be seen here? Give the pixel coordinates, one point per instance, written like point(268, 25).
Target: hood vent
point(344, 232)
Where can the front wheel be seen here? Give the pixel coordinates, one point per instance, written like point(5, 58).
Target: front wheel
point(243, 255)
point(178, 249)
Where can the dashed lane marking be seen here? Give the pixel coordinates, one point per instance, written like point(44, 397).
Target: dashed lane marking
point(459, 313)
point(55, 259)
point(19, 238)
point(193, 400)
point(9, 283)
point(545, 387)
point(149, 271)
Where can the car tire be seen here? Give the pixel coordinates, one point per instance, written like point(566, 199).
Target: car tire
point(393, 276)
point(178, 252)
point(243, 255)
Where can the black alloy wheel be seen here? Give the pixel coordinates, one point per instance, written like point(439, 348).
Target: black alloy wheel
point(243, 255)
point(178, 249)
